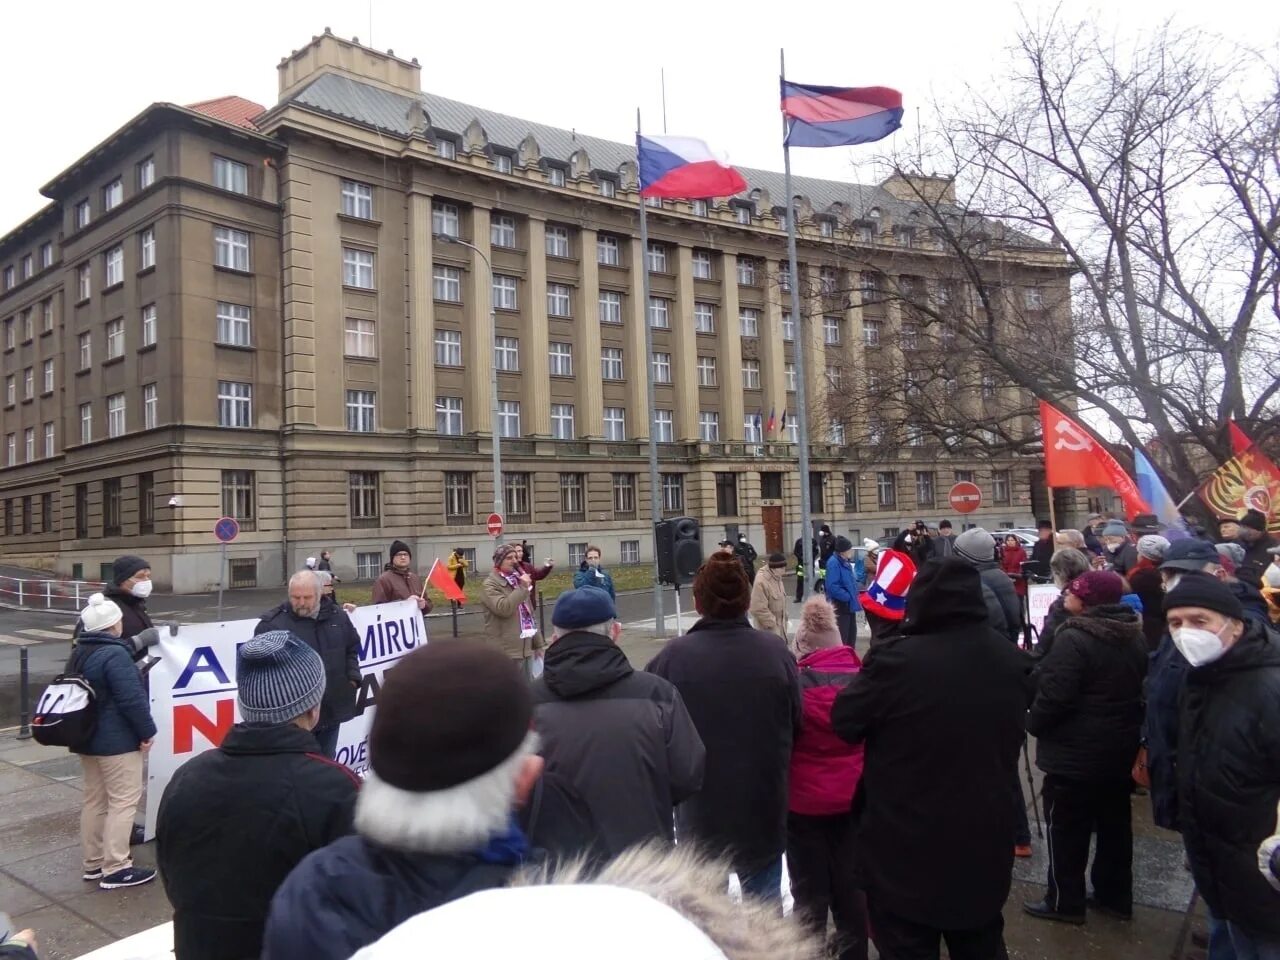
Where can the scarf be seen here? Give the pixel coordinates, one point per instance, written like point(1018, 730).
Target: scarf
point(527, 627)
point(509, 847)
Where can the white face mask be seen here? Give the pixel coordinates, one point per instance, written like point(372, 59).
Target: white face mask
point(141, 589)
point(1198, 646)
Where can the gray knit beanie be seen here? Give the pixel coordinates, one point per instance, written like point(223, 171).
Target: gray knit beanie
point(975, 546)
point(280, 678)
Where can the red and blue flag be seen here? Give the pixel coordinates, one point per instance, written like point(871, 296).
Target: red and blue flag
point(684, 168)
point(838, 116)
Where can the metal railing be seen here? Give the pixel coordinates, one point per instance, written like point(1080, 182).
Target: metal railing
point(70, 595)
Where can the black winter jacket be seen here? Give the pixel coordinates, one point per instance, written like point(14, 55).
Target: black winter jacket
point(1087, 714)
point(1054, 618)
point(234, 822)
point(622, 739)
point(1228, 774)
point(742, 689)
point(1004, 609)
point(940, 709)
point(1256, 557)
point(1145, 581)
point(335, 638)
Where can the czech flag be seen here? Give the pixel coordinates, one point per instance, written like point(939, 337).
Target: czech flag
point(684, 168)
point(839, 116)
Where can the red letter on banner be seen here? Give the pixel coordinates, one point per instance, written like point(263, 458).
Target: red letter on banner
point(187, 719)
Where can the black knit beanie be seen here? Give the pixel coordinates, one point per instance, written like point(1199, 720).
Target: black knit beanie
point(1202, 590)
point(398, 546)
point(125, 567)
point(1254, 520)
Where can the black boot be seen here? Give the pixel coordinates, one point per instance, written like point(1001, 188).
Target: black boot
point(1041, 910)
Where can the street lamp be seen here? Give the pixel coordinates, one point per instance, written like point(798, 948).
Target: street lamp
point(493, 399)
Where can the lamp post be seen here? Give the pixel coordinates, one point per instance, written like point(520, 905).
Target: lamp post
point(493, 398)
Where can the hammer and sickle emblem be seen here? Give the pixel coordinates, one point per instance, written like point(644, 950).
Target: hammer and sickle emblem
point(1071, 438)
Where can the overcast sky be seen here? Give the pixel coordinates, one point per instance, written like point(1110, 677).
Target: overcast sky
point(74, 71)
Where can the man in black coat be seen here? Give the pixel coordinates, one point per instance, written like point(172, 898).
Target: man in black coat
point(940, 710)
point(1251, 533)
point(325, 627)
point(977, 548)
point(742, 689)
point(623, 740)
point(1228, 766)
point(235, 821)
point(1042, 550)
point(1087, 720)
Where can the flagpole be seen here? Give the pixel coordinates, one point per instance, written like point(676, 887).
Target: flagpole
point(1053, 515)
point(655, 502)
point(801, 411)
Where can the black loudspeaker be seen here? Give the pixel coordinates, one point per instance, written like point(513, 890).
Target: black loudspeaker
point(678, 542)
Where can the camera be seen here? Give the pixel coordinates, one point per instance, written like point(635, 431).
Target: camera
point(175, 501)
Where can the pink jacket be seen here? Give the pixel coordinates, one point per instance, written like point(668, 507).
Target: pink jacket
point(824, 769)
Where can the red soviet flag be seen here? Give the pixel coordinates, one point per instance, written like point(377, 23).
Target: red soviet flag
point(1072, 458)
point(440, 579)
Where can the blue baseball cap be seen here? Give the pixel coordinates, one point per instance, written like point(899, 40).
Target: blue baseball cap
point(583, 607)
point(1189, 554)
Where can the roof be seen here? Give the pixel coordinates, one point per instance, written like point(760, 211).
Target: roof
point(369, 105)
point(234, 110)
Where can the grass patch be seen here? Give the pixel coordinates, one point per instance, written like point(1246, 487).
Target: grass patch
point(636, 576)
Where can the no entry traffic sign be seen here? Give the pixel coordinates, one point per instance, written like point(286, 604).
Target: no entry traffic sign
point(494, 525)
point(965, 497)
point(226, 529)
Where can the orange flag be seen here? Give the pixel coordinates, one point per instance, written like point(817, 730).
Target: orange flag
point(1072, 458)
point(440, 579)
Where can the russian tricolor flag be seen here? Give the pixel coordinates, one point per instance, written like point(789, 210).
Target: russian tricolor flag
point(838, 116)
point(684, 168)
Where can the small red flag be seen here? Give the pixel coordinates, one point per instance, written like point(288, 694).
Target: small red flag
point(1072, 458)
point(440, 579)
point(1240, 442)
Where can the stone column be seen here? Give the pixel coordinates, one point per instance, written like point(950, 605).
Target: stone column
point(299, 298)
point(729, 359)
point(422, 366)
point(477, 335)
point(535, 360)
point(590, 386)
point(773, 358)
point(635, 358)
point(684, 362)
point(815, 364)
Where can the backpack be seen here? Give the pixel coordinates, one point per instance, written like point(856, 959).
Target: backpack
point(66, 714)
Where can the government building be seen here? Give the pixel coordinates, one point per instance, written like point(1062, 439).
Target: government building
point(258, 312)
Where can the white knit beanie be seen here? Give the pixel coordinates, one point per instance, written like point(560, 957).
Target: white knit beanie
point(1271, 576)
point(100, 614)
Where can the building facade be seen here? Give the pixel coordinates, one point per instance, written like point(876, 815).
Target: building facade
point(232, 311)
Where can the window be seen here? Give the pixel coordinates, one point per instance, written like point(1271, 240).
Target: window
point(752, 430)
point(449, 416)
point(562, 421)
point(988, 387)
point(446, 284)
point(559, 300)
point(502, 230)
point(910, 336)
point(8, 278)
point(749, 322)
point(357, 268)
point(624, 496)
point(82, 214)
point(112, 195)
point(611, 363)
point(230, 175)
point(146, 503)
point(608, 250)
point(235, 404)
point(46, 513)
point(708, 426)
point(146, 173)
point(653, 202)
point(11, 451)
point(659, 313)
point(629, 551)
point(673, 493)
point(448, 348)
point(1001, 487)
point(150, 407)
point(86, 350)
point(608, 187)
point(115, 415)
point(750, 374)
point(704, 317)
point(25, 267)
point(886, 489)
point(82, 510)
point(610, 306)
point(784, 276)
point(915, 435)
point(10, 390)
point(48, 376)
point(871, 330)
point(46, 315)
point(964, 476)
point(504, 293)
point(457, 497)
point(86, 422)
point(904, 236)
point(826, 227)
point(148, 325)
point(726, 494)
point(702, 264)
point(817, 489)
point(46, 255)
point(111, 507)
point(233, 324)
point(557, 241)
point(113, 267)
point(789, 372)
point(699, 208)
point(361, 411)
point(664, 426)
point(742, 214)
point(444, 219)
point(84, 282)
point(502, 162)
point(28, 383)
point(231, 249)
point(9, 334)
point(656, 257)
point(788, 327)
point(561, 359)
point(924, 488)
point(661, 363)
point(828, 280)
point(357, 199)
point(28, 325)
point(506, 354)
point(555, 176)
point(447, 148)
point(573, 504)
point(517, 495)
point(368, 565)
point(615, 423)
point(706, 371)
point(115, 338)
point(1033, 298)
point(831, 330)
point(29, 444)
point(360, 338)
point(851, 491)
point(238, 498)
point(509, 418)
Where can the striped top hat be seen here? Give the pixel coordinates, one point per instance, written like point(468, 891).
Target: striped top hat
point(886, 595)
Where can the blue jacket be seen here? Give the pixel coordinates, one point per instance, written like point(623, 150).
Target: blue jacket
point(843, 577)
point(124, 716)
point(586, 577)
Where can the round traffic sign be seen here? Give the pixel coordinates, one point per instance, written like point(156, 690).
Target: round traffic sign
point(226, 529)
point(965, 497)
point(494, 524)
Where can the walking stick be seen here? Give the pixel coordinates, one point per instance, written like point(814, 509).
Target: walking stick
point(1031, 785)
point(1185, 930)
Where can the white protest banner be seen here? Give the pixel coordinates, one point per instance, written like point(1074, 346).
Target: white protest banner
point(193, 688)
point(1040, 597)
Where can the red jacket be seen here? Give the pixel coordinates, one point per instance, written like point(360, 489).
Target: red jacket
point(824, 769)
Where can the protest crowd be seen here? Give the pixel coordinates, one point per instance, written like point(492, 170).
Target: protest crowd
point(534, 777)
